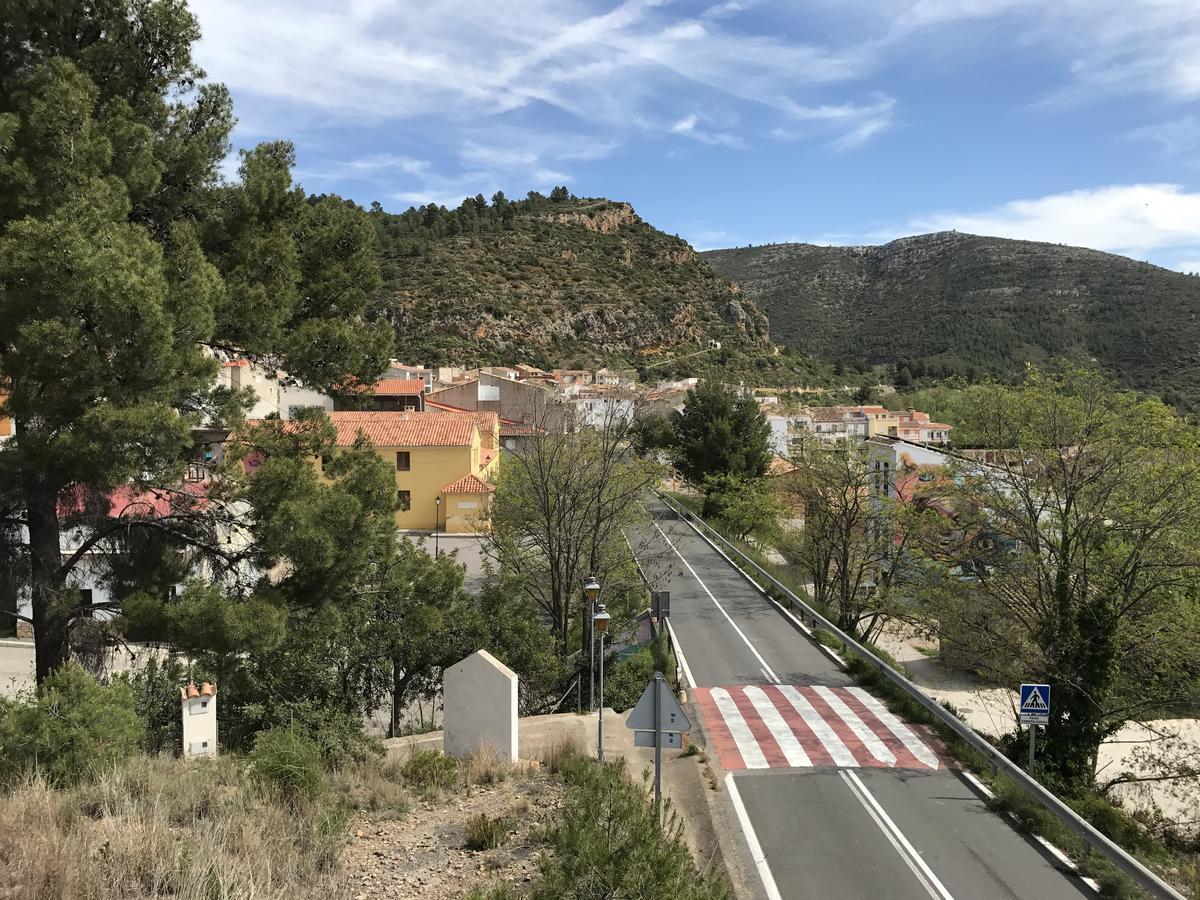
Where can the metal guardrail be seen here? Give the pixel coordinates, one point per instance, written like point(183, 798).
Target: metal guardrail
point(1093, 839)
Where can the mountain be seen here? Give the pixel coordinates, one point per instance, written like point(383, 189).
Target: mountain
point(952, 303)
point(552, 281)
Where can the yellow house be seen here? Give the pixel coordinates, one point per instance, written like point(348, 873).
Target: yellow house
point(445, 463)
point(881, 421)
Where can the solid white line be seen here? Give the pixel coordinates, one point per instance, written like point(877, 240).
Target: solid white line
point(915, 745)
point(767, 669)
point(687, 673)
point(747, 745)
point(768, 676)
point(877, 748)
point(756, 852)
point(817, 725)
point(773, 719)
point(907, 852)
point(833, 655)
point(982, 788)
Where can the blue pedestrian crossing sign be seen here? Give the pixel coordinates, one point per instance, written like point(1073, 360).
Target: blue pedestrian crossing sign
point(1035, 704)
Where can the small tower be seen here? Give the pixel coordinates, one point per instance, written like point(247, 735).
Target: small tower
point(199, 719)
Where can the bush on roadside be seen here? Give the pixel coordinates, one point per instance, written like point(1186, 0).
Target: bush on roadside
point(606, 843)
point(155, 685)
point(69, 729)
point(486, 832)
point(625, 682)
point(288, 761)
point(429, 770)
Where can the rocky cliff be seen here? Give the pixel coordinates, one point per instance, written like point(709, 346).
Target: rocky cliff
point(950, 303)
point(551, 282)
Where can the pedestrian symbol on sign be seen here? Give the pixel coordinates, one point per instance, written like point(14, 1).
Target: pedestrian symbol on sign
point(1035, 704)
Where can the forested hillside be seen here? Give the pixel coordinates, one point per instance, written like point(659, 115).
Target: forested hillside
point(556, 280)
point(950, 303)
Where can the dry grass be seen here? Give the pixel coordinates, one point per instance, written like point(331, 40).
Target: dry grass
point(558, 754)
point(484, 766)
point(160, 827)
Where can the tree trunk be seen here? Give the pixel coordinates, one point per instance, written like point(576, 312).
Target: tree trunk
point(397, 681)
point(51, 615)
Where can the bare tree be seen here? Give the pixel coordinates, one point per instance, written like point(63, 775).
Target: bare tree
point(566, 507)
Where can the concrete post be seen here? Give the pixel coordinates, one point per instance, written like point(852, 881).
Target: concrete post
point(479, 697)
point(199, 708)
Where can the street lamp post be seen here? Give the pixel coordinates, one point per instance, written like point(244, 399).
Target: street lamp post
point(600, 621)
point(591, 593)
point(437, 524)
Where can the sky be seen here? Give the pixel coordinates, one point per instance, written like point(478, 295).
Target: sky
point(744, 121)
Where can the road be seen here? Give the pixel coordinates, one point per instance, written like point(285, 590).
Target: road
point(835, 796)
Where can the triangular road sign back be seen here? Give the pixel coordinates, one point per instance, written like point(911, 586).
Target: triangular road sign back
point(671, 716)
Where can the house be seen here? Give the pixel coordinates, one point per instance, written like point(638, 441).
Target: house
point(388, 395)
point(599, 406)
point(445, 463)
point(860, 423)
point(526, 401)
point(399, 371)
point(263, 383)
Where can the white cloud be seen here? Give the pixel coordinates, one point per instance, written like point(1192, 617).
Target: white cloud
point(462, 60)
point(1173, 137)
point(688, 127)
point(1134, 220)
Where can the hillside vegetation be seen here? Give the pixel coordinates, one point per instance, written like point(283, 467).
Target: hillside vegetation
point(950, 303)
point(556, 280)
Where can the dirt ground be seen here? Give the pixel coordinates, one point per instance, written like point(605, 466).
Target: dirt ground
point(422, 854)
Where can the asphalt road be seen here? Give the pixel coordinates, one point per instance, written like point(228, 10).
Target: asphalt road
point(831, 831)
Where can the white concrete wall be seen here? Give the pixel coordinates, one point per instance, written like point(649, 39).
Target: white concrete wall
point(479, 699)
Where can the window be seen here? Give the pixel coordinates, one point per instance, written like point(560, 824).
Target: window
point(85, 596)
point(404, 500)
point(403, 463)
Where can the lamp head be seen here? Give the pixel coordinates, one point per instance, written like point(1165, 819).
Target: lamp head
point(591, 589)
point(601, 619)
point(437, 501)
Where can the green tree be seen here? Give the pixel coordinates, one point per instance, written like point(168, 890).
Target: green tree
point(122, 253)
point(745, 507)
point(70, 729)
point(720, 432)
point(1085, 542)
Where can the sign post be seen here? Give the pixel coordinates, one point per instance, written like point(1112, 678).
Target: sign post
point(657, 721)
point(1035, 711)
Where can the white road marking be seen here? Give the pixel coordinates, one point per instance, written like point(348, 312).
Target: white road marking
point(747, 744)
point(771, 676)
point(896, 837)
point(773, 719)
point(915, 745)
point(877, 747)
point(687, 673)
point(817, 725)
point(756, 851)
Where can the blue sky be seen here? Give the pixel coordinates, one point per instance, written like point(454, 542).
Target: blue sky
point(831, 121)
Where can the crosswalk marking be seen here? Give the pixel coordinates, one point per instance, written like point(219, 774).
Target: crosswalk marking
point(877, 747)
point(747, 745)
point(784, 736)
point(837, 750)
point(791, 726)
point(915, 745)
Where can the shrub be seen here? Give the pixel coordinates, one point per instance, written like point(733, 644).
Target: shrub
point(486, 833)
point(288, 761)
point(155, 687)
point(626, 681)
point(607, 843)
point(560, 753)
point(69, 730)
point(429, 770)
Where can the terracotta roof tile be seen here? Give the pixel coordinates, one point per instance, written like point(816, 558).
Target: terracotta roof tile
point(468, 484)
point(399, 387)
point(404, 429)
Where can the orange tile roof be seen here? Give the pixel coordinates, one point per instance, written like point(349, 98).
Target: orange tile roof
point(399, 387)
point(404, 429)
point(468, 484)
point(485, 417)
